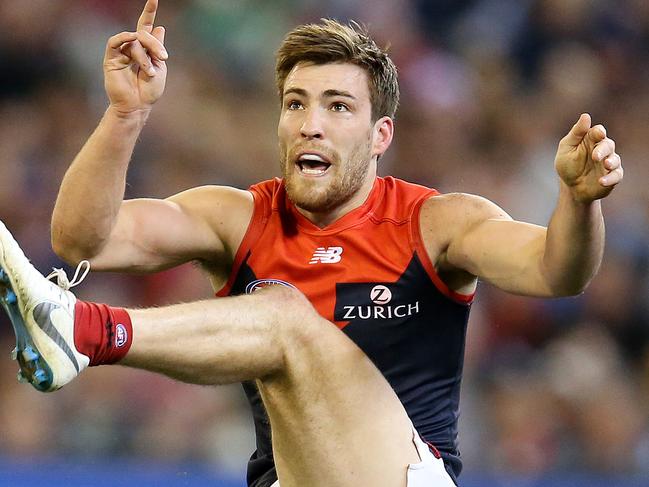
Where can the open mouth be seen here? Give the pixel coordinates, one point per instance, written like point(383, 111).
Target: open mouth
point(312, 164)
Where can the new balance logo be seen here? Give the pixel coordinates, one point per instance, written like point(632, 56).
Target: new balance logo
point(330, 255)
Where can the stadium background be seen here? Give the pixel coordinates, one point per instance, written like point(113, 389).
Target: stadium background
point(555, 392)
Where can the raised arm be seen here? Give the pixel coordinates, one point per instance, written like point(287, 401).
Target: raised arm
point(521, 258)
point(91, 220)
point(206, 223)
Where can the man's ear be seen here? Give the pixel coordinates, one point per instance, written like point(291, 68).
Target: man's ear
point(382, 134)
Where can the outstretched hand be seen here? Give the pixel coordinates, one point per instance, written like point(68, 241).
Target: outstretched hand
point(134, 64)
point(586, 161)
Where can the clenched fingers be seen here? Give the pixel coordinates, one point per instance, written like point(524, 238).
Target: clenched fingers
point(142, 48)
point(159, 33)
point(604, 148)
point(154, 47)
point(604, 153)
point(596, 134)
point(138, 54)
point(115, 43)
point(613, 164)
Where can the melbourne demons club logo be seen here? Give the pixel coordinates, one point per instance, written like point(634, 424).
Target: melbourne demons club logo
point(258, 284)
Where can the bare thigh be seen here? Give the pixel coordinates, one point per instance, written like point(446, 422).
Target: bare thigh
point(335, 420)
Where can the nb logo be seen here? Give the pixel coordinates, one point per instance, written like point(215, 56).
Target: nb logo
point(330, 255)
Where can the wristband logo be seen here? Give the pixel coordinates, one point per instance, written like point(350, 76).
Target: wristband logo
point(121, 335)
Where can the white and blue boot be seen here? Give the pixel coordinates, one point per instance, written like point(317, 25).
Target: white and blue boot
point(42, 315)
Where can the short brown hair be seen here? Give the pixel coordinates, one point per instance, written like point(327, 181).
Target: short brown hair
point(333, 42)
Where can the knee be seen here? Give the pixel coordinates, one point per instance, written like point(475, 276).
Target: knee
point(289, 306)
point(297, 323)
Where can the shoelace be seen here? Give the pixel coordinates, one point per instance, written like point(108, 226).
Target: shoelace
point(62, 280)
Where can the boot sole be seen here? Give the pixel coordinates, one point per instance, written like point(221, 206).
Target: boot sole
point(33, 367)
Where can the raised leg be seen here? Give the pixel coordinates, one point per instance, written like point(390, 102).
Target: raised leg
point(335, 420)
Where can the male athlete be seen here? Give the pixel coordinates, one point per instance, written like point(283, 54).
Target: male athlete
point(329, 246)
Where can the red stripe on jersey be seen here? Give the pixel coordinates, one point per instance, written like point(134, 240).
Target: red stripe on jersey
point(419, 247)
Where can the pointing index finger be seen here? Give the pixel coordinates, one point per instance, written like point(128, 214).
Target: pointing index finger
point(147, 18)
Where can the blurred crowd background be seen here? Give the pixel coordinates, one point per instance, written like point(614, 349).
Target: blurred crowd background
point(488, 89)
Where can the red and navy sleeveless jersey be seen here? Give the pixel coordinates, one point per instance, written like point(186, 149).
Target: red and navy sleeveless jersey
point(367, 272)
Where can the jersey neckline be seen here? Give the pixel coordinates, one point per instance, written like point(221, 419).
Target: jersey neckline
point(354, 217)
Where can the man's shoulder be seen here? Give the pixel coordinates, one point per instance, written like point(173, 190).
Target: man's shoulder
point(392, 183)
point(399, 199)
point(225, 209)
point(434, 208)
point(212, 197)
point(269, 186)
point(458, 202)
point(456, 211)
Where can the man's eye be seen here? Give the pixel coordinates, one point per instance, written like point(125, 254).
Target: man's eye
point(339, 107)
point(294, 105)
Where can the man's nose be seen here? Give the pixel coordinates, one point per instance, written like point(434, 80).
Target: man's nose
point(312, 125)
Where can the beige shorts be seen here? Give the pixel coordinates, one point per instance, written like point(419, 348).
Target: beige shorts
point(429, 472)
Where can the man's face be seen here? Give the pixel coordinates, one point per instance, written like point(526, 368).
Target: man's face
point(326, 135)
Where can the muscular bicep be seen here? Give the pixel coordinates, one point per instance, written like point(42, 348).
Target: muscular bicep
point(504, 252)
point(468, 236)
point(153, 235)
point(199, 224)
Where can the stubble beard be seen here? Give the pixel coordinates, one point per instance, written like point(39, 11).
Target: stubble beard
point(309, 194)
